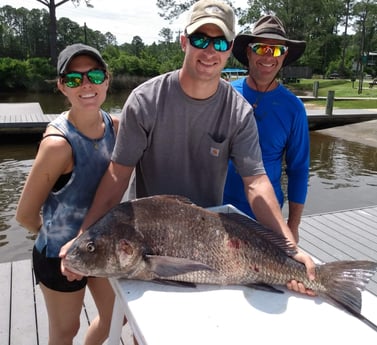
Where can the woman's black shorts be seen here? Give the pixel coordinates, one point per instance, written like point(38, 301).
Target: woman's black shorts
point(47, 271)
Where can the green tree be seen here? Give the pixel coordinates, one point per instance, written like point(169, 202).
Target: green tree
point(171, 9)
point(365, 13)
point(137, 45)
point(23, 33)
point(68, 32)
point(166, 34)
point(347, 16)
point(52, 27)
point(320, 23)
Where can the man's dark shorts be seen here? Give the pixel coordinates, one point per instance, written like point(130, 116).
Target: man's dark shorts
point(47, 271)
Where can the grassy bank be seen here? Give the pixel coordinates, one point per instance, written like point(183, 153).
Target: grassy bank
point(342, 88)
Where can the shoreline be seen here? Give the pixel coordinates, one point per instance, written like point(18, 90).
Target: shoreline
point(363, 132)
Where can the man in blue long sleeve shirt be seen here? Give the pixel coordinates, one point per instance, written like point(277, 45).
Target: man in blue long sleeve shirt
point(280, 115)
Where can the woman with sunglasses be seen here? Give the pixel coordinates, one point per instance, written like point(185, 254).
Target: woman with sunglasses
point(280, 116)
point(72, 157)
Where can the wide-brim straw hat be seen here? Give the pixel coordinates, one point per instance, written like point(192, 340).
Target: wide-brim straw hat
point(267, 27)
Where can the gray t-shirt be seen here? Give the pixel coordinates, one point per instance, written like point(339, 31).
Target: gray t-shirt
point(181, 145)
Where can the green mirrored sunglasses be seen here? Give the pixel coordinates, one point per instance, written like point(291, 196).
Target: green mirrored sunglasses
point(201, 41)
point(75, 79)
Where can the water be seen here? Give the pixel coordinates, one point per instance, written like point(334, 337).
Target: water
point(57, 103)
point(343, 175)
point(15, 163)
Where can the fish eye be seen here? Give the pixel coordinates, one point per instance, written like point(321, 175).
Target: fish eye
point(91, 247)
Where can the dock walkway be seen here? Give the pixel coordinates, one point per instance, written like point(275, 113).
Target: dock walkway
point(23, 315)
point(23, 118)
point(28, 118)
point(343, 235)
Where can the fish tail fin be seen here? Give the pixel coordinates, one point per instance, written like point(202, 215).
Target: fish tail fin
point(344, 281)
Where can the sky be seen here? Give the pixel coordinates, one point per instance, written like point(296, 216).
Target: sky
point(123, 18)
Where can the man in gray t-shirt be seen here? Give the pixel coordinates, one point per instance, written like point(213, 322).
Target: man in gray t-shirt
point(180, 145)
point(180, 129)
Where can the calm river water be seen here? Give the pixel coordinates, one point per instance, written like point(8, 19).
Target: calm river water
point(343, 175)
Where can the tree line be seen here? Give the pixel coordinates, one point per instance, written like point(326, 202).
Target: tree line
point(340, 36)
point(25, 61)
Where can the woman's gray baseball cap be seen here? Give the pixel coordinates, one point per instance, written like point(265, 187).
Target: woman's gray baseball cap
point(69, 52)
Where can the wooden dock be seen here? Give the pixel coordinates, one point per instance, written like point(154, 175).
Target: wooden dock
point(23, 315)
point(21, 118)
point(317, 119)
point(28, 118)
point(344, 235)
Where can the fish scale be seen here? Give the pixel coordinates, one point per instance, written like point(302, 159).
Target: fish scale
point(167, 238)
point(226, 254)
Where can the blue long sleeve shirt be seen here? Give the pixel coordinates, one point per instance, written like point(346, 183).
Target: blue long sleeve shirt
point(284, 140)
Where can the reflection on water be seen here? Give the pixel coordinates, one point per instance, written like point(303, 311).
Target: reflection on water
point(343, 175)
point(15, 163)
point(333, 158)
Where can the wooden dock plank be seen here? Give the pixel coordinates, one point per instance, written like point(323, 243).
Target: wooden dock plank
point(340, 244)
point(41, 315)
point(5, 289)
point(23, 316)
point(344, 235)
point(321, 244)
point(19, 109)
point(353, 242)
point(365, 222)
point(23, 329)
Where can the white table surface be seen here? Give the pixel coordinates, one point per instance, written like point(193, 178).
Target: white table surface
point(166, 315)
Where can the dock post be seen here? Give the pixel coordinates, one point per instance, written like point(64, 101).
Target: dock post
point(330, 102)
point(315, 89)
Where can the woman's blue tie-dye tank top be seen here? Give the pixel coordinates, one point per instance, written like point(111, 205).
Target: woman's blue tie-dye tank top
point(64, 210)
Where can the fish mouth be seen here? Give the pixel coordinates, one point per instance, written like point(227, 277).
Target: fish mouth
point(67, 264)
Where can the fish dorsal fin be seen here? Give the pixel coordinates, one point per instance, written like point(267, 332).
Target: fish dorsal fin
point(172, 197)
point(270, 235)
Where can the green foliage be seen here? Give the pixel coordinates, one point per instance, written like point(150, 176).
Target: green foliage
point(42, 75)
point(30, 74)
point(342, 88)
point(24, 36)
point(14, 74)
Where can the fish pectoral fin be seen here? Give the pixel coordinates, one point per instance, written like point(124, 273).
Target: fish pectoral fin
point(175, 283)
point(168, 266)
point(264, 287)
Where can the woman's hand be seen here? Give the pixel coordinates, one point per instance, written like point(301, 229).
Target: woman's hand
point(71, 276)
